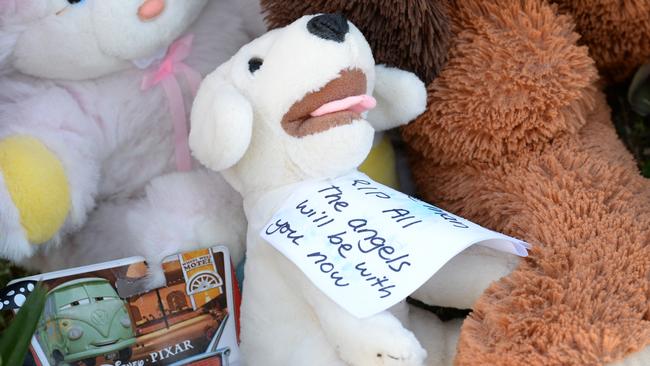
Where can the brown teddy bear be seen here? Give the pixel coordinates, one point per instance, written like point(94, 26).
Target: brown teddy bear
point(518, 137)
point(617, 33)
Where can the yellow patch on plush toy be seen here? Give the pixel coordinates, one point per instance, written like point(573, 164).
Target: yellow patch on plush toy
point(37, 184)
point(380, 164)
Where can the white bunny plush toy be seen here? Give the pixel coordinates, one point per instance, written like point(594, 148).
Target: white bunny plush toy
point(94, 110)
point(288, 107)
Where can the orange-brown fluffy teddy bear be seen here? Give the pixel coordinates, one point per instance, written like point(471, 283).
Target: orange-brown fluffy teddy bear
point(518, 138)
point(617, 33)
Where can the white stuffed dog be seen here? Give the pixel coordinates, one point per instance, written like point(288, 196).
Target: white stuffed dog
point(93, 96)
point(288, 107)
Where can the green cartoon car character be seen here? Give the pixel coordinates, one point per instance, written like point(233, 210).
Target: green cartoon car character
point(84, 319)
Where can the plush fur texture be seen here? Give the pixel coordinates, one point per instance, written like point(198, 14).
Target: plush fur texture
point(408, 34)
point(81, 40)
point(264, 162)
point(616, 32)
point(251, 11)
point(25, 162)
point(518, 138)
point(114, 140)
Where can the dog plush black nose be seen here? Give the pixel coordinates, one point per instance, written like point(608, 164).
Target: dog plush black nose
point(332, 27)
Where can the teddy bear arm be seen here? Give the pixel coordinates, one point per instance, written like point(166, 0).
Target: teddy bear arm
point(50, 170)
point(36, 184)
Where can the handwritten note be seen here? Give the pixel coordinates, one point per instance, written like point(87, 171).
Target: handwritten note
point(368, 246)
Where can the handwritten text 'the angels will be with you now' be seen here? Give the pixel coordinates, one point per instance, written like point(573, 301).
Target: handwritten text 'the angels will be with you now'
point(354, 234)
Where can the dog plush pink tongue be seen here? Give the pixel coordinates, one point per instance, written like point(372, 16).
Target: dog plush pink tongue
point(357, 104)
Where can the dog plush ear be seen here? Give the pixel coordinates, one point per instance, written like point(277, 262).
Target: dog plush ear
point(401, 96)
point(222, 123)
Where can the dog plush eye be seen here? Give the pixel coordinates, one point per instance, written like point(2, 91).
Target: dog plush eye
point(254, 64)
point(73, 2)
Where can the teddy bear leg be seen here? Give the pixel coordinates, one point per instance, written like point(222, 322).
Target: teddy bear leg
point(463, 279)
point(179, 212)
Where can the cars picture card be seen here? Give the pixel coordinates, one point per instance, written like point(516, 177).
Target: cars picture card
point(189, 321)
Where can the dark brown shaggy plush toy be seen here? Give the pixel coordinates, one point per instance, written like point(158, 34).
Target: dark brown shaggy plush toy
point(409, 34)
point(518, 138)
point(616, 31)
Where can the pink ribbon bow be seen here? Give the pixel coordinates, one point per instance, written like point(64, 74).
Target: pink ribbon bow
point(165, 75)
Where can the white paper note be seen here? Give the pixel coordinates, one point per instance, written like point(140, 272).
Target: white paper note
point(368, 246)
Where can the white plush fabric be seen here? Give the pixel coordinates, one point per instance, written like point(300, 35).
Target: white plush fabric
point(253, 22)
point(462, 280)
point(70, 81)
point(437, 337)
point(285, 319)
point(398, 94)
point(93, 38)
point(641, 358)
point(236, 128)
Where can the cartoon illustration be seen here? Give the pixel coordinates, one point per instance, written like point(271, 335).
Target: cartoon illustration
point(84, 319)
point(89, 321)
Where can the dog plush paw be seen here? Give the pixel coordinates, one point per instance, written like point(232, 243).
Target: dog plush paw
point(461, 281)
point(380, 341)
